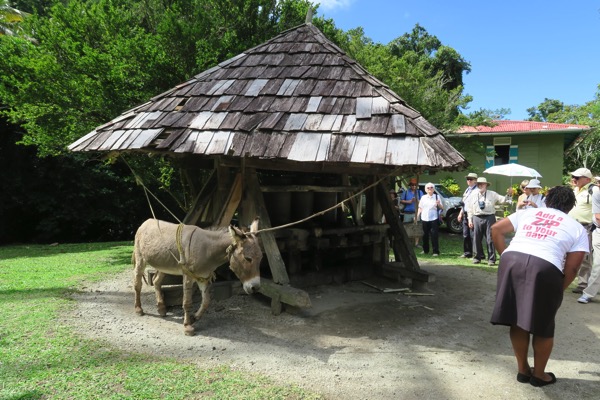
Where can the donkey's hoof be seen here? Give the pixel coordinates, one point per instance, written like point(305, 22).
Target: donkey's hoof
point(189, 330)
point(162, 310)
point(139, 311)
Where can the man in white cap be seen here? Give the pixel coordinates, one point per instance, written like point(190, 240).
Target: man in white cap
point(482, 215)
point(593, 282)
point(463, 216)
point(582, 212)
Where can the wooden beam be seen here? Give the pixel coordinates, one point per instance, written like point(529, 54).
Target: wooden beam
point(401, 243)
point(309, 188)
point(232, 203)
point(201, 200)
point(285, 294)
point(269, 243)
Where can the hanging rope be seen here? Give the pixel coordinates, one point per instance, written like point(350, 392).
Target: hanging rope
point(341, 203)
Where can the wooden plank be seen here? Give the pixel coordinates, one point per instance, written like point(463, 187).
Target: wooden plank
point(380, 105)
point(200, 120)
point(397, 124)
point(232, 202)
point(256, 86)
point(361, 149)
point(377, 150)
point(323, 150)
point(402, 244)
point(219, 142)
point(403, 150)
point(201, 200)
point(269, 243)
point(202, 141)
point(295, 122)
point(285, 294)
point(305, 147)
point(313, 122)
point(313, 103)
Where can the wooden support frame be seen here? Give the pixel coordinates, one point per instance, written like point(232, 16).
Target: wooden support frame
point(201, 201)
point(401, 243)
point(268, 239)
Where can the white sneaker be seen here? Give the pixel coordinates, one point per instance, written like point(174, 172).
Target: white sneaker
point(435, 254)
point(584, 299)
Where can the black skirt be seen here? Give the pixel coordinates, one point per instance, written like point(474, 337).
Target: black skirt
point(529, 293)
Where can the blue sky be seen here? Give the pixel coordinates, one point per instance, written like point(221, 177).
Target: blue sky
point(521, 52)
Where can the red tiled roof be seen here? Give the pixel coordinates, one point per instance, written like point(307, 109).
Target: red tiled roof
point(519, 126)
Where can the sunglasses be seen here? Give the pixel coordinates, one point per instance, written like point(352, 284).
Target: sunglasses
point(470, 179)
point(523, 187)
point(575, 178)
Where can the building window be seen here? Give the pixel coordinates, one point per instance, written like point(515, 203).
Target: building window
point(501, 152)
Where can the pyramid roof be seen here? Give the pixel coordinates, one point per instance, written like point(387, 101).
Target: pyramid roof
point(297, 97)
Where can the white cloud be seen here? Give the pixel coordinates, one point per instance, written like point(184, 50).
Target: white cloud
point(329, 5)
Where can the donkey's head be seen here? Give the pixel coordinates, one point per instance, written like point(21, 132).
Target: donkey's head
point(245, 257)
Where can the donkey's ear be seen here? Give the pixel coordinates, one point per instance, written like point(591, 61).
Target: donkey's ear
point(254, 226)
point(236, 234)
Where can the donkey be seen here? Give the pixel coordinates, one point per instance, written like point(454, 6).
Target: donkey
point(194, 253)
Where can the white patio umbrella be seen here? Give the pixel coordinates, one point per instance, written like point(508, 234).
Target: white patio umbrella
point(512, 170)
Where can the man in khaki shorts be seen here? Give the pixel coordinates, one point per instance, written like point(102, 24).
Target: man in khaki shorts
point(582, 212)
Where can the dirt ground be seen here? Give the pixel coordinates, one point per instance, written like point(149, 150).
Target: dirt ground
point(359, 343)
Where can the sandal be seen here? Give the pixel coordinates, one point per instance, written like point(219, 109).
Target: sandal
point(539, 382)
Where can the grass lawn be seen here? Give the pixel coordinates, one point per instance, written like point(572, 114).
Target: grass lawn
point(42, 359)
point(451, 247)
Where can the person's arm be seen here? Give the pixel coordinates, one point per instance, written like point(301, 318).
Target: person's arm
point(499, 231)
point(572, 264)
point(520, 201)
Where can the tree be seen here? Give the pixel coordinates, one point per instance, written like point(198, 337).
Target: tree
point(421, 47)
point(10, 19)
point(585, 152)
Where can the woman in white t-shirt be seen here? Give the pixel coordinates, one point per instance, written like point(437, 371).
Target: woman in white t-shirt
point(535, 269)
point(429, 213)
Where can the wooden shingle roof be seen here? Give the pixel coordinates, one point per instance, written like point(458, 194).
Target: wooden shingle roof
point(297, 97)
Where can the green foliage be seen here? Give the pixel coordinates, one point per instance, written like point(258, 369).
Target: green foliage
point(450, 183)
point(585, 152)
point(417, 68)
point(43, 357)
point(96, 59)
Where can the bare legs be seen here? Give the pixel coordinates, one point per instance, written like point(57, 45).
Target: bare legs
point(520, 343)
point(542, 348)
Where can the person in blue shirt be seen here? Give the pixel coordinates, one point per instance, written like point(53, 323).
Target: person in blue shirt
point(410, 198)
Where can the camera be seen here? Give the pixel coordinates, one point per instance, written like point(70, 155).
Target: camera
point(481, 204)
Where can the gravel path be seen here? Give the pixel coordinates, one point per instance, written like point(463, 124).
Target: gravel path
point(357, 342)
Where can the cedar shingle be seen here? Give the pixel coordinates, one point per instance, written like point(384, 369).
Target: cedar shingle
point(296, 87)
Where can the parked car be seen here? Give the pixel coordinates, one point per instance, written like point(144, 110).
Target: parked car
point(452, 205)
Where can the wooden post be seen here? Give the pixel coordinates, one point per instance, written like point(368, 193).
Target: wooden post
point(255, 195)
point(201, 201)
point(401, 243)
point(232, 203)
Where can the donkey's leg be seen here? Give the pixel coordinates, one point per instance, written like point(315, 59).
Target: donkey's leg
point(160, 300)
point(204, 286)
point(188, 317)
point(138, 271)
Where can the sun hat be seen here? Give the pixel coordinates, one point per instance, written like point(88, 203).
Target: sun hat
point(471, 175)
point(483, 180)
point(533, 184)
point(582, 172)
